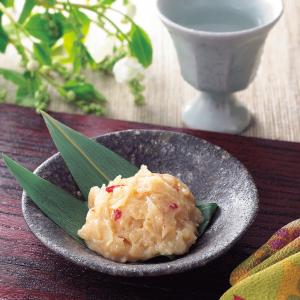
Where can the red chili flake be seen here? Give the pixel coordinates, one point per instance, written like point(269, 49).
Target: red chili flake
point(177, 188)
point(117, 214)
point(111, 188)
point(173, 205)
point(237, 298)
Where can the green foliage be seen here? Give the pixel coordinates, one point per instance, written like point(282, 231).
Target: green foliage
point(137, 89)
point(107, 64)
point(26, 11)
point(13, 76)
point(49, 3)
point(30, 89)
point(76, 28)
point(59, 55)
point(46, 27)
point(42, 53)
point(106, 2)
point(84, 90)
point(81, 57)
point(85, 95)
point(3, 36)
point(3, 40)
point(3, 94)
point(26, 91)
point(7, 3)
point(140, 45)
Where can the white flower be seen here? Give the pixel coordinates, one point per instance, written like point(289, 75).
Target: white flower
point(99, 45)
point(130, 10)
point(127, 68)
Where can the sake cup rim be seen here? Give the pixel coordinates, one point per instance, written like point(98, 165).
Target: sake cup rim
point(227, 34)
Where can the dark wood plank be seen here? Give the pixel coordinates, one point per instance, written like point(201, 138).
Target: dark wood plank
point(28, 270)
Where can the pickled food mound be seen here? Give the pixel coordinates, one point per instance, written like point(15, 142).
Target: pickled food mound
point(137, 218)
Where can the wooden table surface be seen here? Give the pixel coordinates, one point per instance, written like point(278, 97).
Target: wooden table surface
point(274, 97)
point(28, 270)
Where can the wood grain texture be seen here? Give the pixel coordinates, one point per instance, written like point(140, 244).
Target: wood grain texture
point(274, 97)
point(28, 270)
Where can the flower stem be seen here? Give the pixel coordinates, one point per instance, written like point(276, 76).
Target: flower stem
point(122, 14)
point(115, 26)
point(93, 8)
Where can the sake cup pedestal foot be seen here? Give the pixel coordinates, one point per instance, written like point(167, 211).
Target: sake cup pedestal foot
point(216, 112)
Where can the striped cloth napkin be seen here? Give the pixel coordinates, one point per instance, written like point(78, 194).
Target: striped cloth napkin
point(272, 272)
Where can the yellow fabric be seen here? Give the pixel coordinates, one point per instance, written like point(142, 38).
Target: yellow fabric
point(280, 281)
point(272, 272)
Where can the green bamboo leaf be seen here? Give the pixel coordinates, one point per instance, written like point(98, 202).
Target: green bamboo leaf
point(208, 210)
point(140, 45)
point(90, 163)
point(63, 209)
point(26, 11)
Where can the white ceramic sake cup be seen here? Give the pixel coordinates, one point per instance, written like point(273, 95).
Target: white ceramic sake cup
point(217, 59)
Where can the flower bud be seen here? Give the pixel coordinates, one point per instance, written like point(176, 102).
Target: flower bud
point(38, 95)
point(130, 10)
point(71, 96)
point(3, 93)
point(45, 69)
point(52, 24)
point(32, 65)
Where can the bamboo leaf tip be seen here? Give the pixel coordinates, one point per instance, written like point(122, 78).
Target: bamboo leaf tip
point(4, 156)
point(43, 113)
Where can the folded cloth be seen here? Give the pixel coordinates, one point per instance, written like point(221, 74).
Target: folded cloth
point(272, 272)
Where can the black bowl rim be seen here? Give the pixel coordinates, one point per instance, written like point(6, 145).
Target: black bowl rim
point(140, 269)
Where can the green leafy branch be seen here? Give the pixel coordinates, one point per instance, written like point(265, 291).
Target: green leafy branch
point(50, 38)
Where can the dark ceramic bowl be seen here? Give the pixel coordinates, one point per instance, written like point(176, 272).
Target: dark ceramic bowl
point(212, 174)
